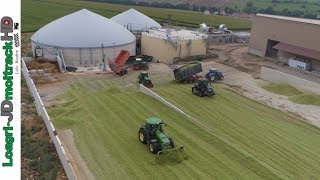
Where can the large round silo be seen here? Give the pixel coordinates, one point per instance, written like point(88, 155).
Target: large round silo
point(82, 38)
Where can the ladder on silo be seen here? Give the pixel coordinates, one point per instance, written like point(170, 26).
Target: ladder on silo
point(61, 62)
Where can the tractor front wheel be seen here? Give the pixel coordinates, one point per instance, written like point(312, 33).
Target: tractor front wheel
point(143, 135)
point(221, 77)
point(171, 142)
point(154, 148)
point(212, 78)
point(194, 90)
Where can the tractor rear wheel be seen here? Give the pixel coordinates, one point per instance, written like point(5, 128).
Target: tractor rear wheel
point(142, 135)
point(154, 148)
point(136, 67)
point(171, 142)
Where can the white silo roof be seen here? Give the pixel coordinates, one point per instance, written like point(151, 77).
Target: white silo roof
point(83, 29)
point(135, 21)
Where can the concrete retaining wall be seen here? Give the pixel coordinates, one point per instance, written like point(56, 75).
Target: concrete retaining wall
point(275, 76)
point(42, 112)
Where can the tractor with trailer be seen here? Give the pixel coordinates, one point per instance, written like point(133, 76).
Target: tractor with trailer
point(117, 65)
point(144, 79)
point(203, 88)
point(214, 74)
point(188, 72)
point(152, 134)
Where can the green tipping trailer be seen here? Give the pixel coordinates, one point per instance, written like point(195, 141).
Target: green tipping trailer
point(187, 73)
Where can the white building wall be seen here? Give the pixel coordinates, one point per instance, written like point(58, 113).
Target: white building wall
point(86, 56)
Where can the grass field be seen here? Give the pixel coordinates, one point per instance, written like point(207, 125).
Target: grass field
point(243, 139)
point(309, 99)
point(37, 13)
point(282, 89)
point(294, 94)
point(280, 6)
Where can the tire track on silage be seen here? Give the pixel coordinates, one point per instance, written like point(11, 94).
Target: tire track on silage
point(245, 153)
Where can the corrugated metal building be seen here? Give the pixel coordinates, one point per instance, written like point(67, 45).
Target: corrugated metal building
point(286, 38)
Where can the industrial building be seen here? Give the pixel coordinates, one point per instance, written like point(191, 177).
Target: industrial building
point(292, 41)
point(223, 35)
point(135, 21)
point(82, 38)
point(167, 44)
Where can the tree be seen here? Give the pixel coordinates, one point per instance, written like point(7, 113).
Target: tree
point(195, 7)
point(249, 4)
point(310, 15)
point(202, 8)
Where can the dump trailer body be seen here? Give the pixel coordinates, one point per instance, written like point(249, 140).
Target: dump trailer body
point(187, 71)
point(118, 64)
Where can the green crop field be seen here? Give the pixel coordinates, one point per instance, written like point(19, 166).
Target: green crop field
point(282, 89)
point(309, 99)
point(242, 139)
point(294, 94)
point(37, 13)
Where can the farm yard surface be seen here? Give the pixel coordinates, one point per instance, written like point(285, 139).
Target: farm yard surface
point(230, 137)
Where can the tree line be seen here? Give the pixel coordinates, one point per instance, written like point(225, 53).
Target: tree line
point(302, 12)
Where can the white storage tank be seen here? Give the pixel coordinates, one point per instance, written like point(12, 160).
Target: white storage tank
point(83, 38)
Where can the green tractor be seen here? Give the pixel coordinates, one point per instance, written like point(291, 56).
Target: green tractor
point(152, 133)
point(144, 79)
point(139, 64)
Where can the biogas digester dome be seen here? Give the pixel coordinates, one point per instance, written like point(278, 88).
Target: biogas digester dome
point(80, 36)
point(133, 20)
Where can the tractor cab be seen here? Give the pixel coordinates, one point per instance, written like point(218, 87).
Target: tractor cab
point(144, 79)
point(214, 74)
point(139, 64)
point(203, 88)
point(144, 75)
point(153, 124)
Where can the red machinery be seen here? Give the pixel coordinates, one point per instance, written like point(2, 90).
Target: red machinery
point(117, 65)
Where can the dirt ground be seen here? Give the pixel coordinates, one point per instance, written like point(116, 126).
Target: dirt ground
point(241, 71)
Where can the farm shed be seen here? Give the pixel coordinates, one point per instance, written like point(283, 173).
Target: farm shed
point(292, 41)
point(135, 21)
point(82, 38)
point(166, 45)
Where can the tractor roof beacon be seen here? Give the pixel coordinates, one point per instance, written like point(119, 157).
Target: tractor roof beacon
point(152, 133)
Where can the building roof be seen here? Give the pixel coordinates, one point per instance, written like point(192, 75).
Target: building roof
point(153, 120)
point(175, 34)
point(302, 20)
point(135, 21)
point(83, 29)
point(298, 50)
